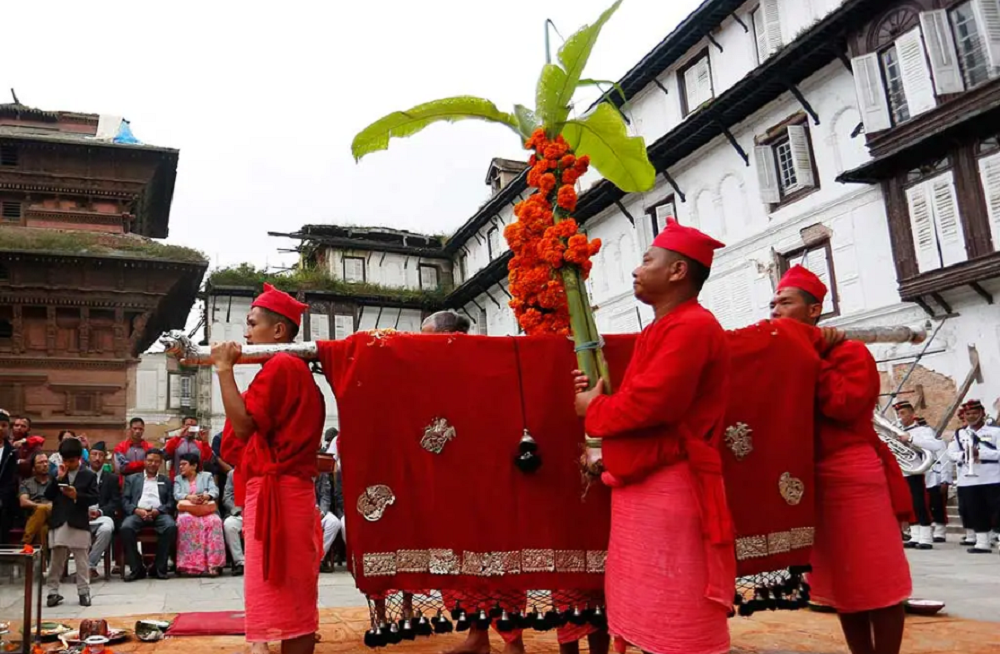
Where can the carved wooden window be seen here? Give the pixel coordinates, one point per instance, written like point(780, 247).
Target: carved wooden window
point(989, 177)
point(6, 329)
point(893, 80)
point(428, 277)
point(9, 155)
point(10, 211)
point(4, 274)
point(968, 35)
point(766, 29)
point(463, 268)
point(659, 212)
point(818, 258)
point(786, 167)
point(354, 269)
point(935, 219)
point(695, 82)
point(82, 403)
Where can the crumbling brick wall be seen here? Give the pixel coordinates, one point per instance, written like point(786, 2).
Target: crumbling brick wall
point(930, 392)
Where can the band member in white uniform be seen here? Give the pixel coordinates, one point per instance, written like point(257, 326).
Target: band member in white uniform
point(921, 437)
point(975, 449)
point(939, 477)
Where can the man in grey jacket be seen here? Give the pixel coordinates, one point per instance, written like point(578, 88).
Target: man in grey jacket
point(232, 527)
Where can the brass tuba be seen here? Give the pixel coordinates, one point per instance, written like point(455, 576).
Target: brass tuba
point(912, 459)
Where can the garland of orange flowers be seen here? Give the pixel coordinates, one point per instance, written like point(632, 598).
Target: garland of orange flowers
point(545, 238)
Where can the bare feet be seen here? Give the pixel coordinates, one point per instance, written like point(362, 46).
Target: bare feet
point(258, 648)
point(477, 642)
point(516, 646)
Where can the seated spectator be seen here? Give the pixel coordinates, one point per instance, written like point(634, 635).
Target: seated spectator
point(201, 549)
point(233, 526)
point(36, 506)
point(130, 454)
point(26, 445)
point(71, 492)
point(104, 514)
point(330, 522)
point(148, 501)
point(55, 460)
point(192, 439)
point(10, 485)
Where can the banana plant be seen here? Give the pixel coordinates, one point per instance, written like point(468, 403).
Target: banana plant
point(600, 134)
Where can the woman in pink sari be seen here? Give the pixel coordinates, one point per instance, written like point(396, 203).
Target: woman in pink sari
point(201, 548)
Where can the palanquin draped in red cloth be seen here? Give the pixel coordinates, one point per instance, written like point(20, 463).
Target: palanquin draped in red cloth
point(466, 518)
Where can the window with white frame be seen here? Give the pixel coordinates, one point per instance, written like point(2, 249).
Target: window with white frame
point(969, 41)
point(354, 269)
point(659, 212)
point(695, 81)
point(935, 221)
point(766, 29)
point(786, 168)
point(989, 177)
point(493, 242)
point(952, 50)
point(343, 326)
point(428, 277)
point(463, 268)
point(180, 391)
point(817, 258)
point(894, 84)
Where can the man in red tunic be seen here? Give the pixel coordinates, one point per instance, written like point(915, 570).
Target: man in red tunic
point(277, 424)
point(861, 572)
point(671, 570)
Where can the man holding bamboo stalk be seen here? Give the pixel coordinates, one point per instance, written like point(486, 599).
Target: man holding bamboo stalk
point(671, 570)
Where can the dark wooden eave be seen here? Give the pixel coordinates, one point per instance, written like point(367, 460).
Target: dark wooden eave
point(964, 274)
point(427, 303)
point(152, 211)
point(346, 243)
point(966, 116)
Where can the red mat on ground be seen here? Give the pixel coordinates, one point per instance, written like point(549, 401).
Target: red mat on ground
point(211, 623)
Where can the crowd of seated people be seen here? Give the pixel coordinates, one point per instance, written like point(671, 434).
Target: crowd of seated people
point(181, 492)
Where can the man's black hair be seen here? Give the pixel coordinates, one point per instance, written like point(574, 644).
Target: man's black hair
point(808, 297)
point(24, 418)
point(137, 420)
point(293, 329)
point(155, 450)
point(698, 272)
point(186, 418)
point(70, 448)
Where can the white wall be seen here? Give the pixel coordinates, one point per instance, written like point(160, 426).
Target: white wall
point(386, 268)
point(723, 198)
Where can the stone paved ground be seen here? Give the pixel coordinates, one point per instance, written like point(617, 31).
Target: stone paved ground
point(969, 584)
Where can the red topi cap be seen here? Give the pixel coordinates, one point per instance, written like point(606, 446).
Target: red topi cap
point(281, 303)
point(687, 241)
point(803, 279)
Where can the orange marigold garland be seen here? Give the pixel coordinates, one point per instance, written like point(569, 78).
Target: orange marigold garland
point(545, 238)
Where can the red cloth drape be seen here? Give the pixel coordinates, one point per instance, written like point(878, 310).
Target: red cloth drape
point(471, 498)
point(775, 365)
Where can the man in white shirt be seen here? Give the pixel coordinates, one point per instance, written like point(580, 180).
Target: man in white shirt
point(148, 500)
point(923, 437)
point(975, 450)
point(232, 527)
